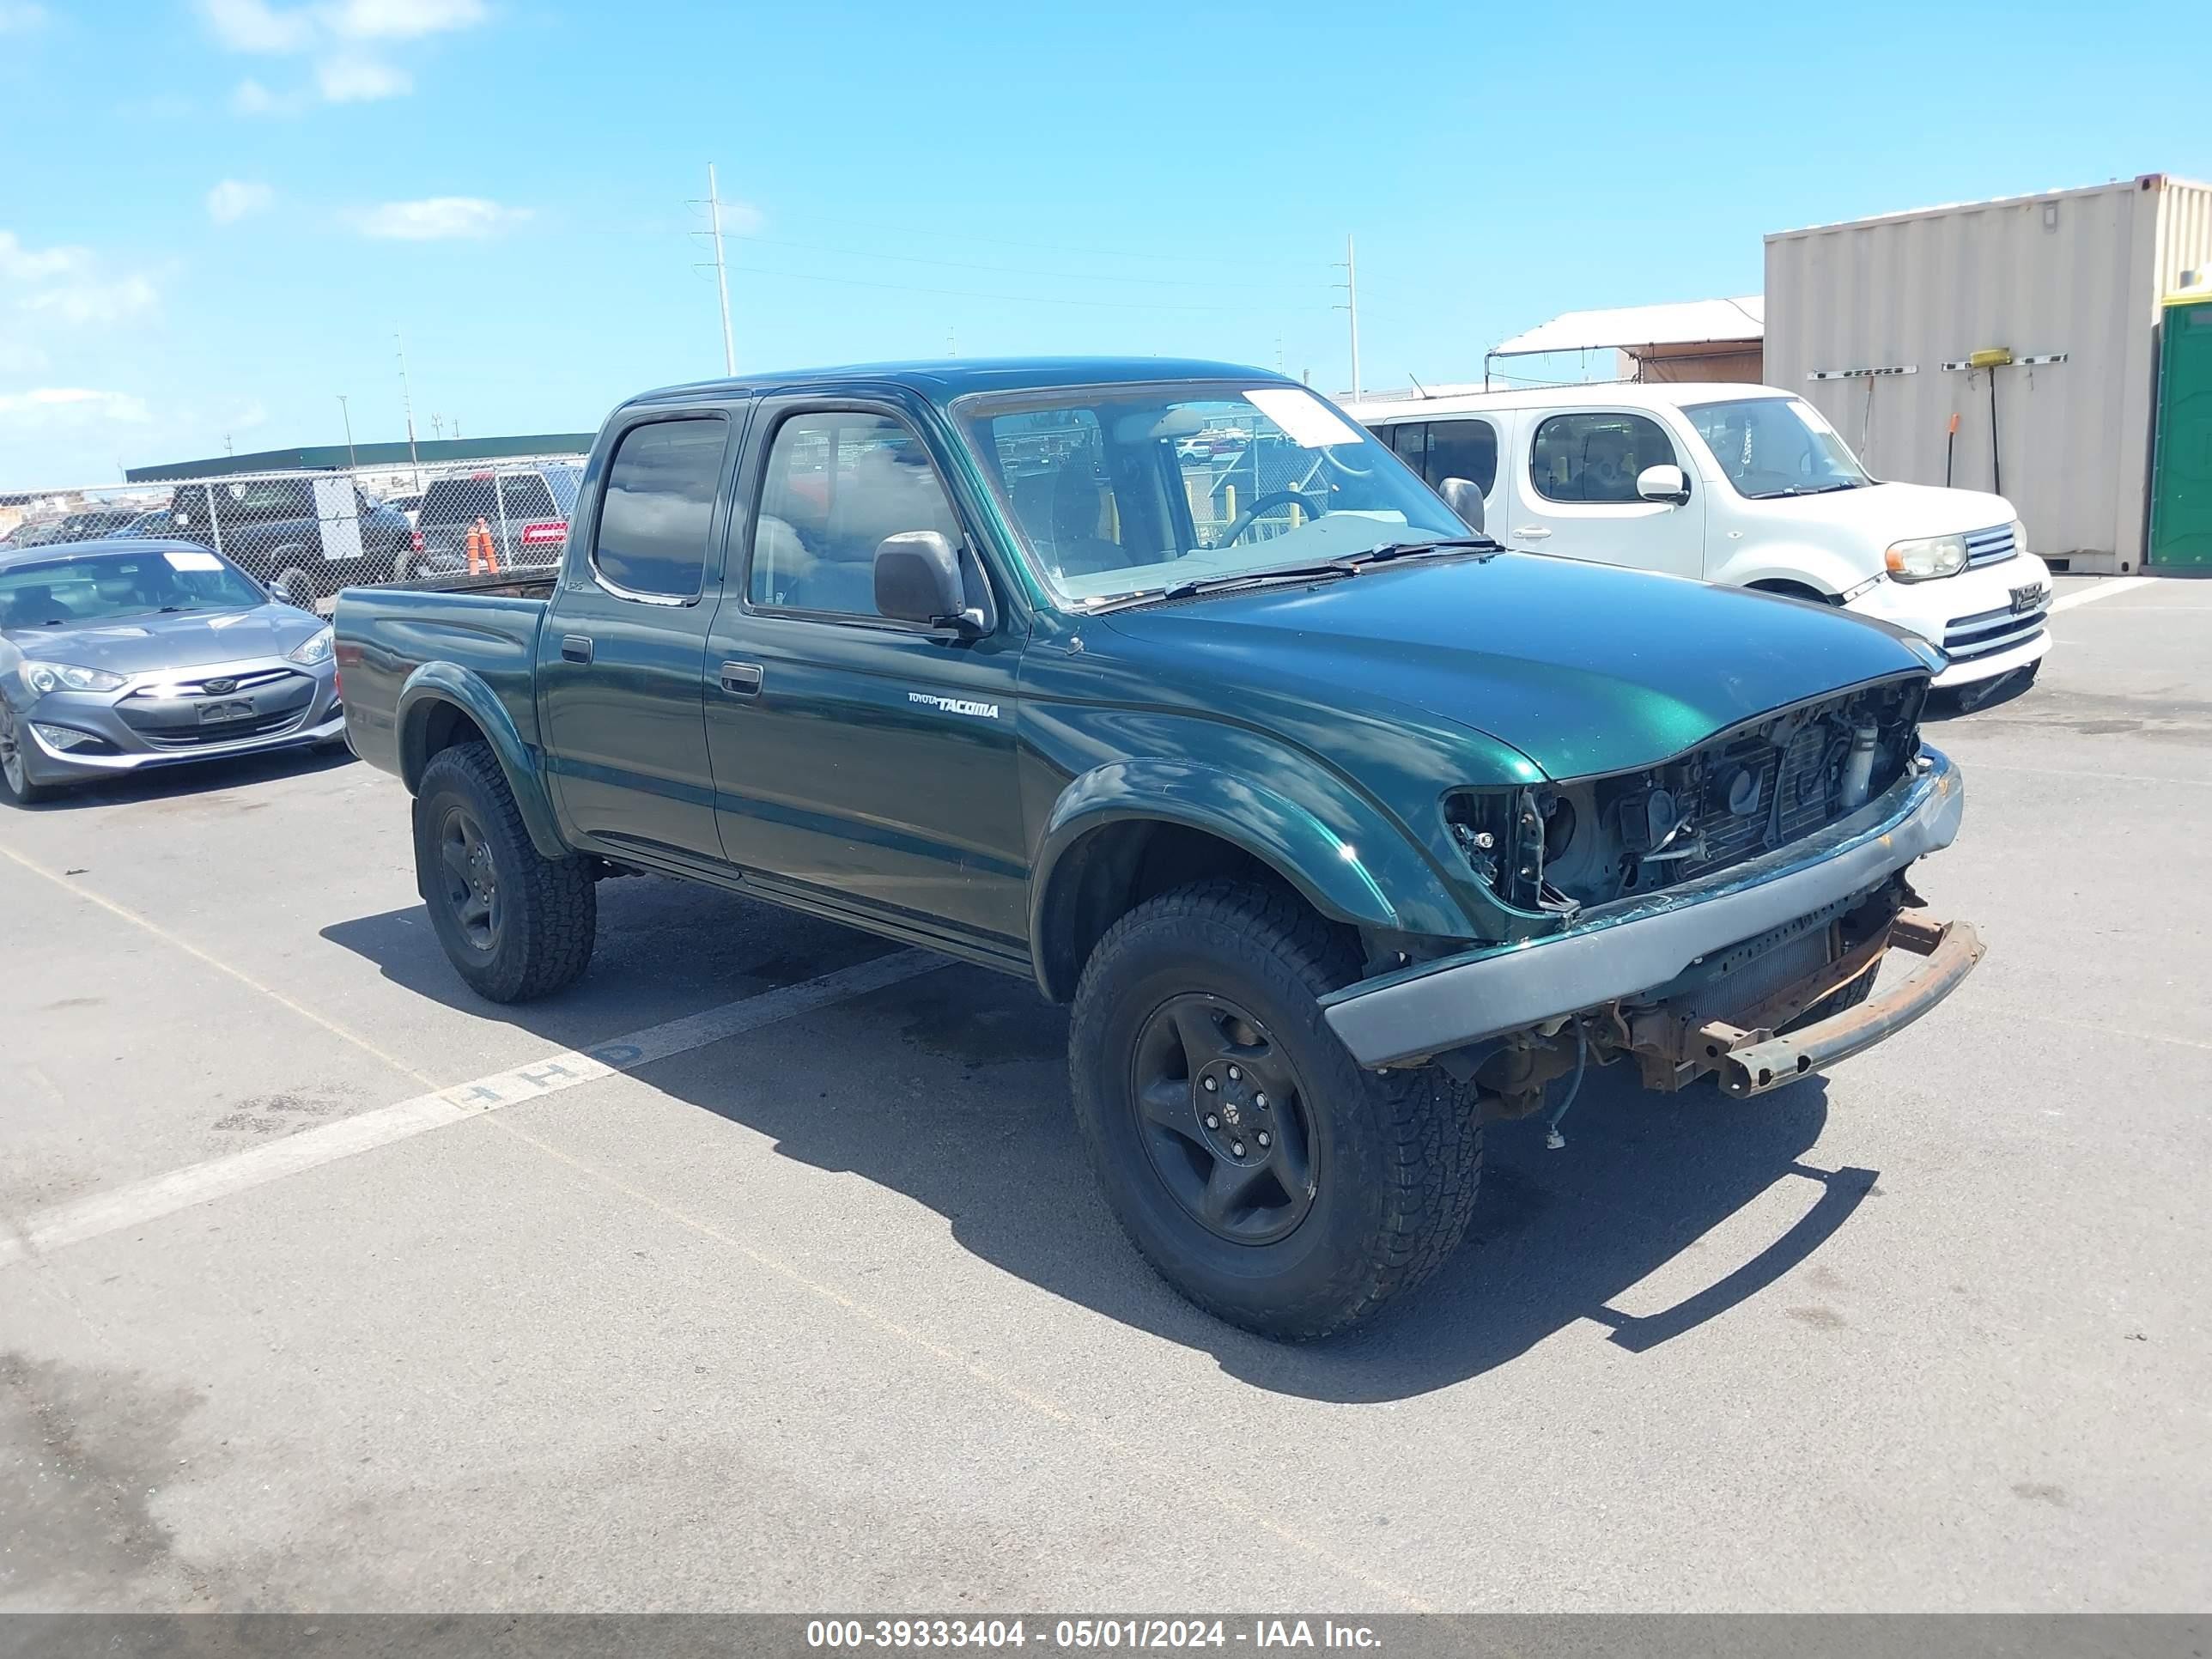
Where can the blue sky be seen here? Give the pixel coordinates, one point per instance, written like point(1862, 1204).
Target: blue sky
point(214, 213)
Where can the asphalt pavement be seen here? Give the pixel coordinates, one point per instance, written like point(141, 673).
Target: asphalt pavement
point(762, 1269)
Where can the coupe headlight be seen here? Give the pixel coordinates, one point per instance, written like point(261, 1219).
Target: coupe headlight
point(44, 677)
point(315, 648)
point(1927, 558)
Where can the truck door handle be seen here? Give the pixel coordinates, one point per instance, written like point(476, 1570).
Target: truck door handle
point(1534, 532)
point(742, 679)
point(576, 647)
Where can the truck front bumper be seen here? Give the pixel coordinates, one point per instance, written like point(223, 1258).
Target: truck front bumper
point(1641, 945)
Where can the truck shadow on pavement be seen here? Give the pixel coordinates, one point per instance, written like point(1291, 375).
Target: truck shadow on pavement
point(950, 1088)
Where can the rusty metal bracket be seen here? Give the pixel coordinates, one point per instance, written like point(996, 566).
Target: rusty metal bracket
point(1756, 1061)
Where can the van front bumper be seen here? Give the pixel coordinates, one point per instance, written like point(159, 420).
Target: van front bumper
point(1640, 945)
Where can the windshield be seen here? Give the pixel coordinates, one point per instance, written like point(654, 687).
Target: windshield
point(57, 592)
point(1771, 447)
point(1124, 490)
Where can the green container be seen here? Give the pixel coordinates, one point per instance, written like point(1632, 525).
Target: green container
point(2181, 473)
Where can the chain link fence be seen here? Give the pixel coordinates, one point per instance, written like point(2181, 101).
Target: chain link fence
point(308, 534)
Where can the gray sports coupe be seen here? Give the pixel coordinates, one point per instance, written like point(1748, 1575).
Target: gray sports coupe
point(120, 654)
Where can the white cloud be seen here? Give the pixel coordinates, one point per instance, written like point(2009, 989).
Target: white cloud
point(249, 97)
point(256, 26)
point(353, 78)
point(21, 17)
point(26, 265)
point(741, 218)
point(402, 20)
point(73, 403)
point(95, 302)
point(234, 199)
point(331, 31)
point(438, 218)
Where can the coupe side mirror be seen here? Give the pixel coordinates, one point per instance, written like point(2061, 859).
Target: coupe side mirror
point(1462, 495)
point(918, 581)
point(1663, 483)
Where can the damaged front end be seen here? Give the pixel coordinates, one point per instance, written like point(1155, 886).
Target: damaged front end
point(1752, 955)
point(1766, 1012)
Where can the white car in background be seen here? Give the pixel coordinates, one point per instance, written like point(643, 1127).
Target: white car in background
point(1747, 485)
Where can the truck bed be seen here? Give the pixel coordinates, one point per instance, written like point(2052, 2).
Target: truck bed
point(484, 628)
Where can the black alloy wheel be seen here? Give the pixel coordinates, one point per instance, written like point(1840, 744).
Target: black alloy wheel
point(1222, 1117)
point(469, 879)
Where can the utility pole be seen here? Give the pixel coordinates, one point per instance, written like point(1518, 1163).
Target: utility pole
point(721, 272)
point(1351, 286)
point(352, 464)
point(437, 425)
point(407, 402)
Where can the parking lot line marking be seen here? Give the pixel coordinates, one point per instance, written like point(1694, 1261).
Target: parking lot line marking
point(1237, 1503)
point(45, 1230)
point(2103, 590)
point(77, 890)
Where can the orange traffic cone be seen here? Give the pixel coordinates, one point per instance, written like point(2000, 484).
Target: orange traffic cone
point(484, 551)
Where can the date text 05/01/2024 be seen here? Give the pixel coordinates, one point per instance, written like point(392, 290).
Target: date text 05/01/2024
point(1132, 1634)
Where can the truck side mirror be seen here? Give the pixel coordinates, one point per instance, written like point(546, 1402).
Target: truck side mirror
point(918, 581)
point(1462, 495)
point(1663, 483)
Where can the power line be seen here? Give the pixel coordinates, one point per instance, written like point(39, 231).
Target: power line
point(1012, 299)
point(1033, 247)
point(962, 264)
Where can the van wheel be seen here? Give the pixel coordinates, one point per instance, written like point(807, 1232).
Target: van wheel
point(516, 923)
point(1263, 1172)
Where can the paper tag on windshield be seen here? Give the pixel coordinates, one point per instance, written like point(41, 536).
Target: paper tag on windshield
point(189, 561)
point(1307, 422)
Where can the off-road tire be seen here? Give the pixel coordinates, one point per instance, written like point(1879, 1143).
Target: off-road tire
point(549, 907)
point(1396, 1158)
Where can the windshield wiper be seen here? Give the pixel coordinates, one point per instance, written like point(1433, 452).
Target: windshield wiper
point(1390, 550)
point(1348, 564)
point(1817, 489)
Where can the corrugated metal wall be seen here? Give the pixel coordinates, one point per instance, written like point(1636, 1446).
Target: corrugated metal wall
point(2077, 271)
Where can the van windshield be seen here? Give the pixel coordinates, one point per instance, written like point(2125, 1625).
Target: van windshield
point(1123, 490)
point(1772, 446)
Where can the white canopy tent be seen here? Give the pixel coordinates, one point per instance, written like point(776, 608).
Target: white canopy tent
point(1697, 339)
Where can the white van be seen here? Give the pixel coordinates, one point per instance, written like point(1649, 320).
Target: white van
point(1743, 485)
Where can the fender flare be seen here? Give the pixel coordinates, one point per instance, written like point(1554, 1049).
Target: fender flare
point(436, 683)
point(1347, 880)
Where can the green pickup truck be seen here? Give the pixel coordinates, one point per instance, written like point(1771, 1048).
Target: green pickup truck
point(1166, 686)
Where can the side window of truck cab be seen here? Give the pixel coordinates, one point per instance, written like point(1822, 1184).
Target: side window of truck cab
point(838, 483)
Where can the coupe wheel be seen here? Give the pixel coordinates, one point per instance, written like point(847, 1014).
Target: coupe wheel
point(15, 769)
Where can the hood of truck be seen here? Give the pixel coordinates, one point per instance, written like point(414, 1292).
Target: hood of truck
point(1585, 669)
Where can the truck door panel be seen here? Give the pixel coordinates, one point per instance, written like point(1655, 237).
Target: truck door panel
point(868, 761)
point(620, 671)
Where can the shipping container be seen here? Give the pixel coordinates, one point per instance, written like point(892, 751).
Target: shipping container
point(1878, 324)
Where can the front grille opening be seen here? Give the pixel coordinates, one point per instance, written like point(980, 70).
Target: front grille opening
point(1745, 794)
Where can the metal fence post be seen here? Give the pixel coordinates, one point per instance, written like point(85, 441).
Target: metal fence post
point(214, 525)
point(508, 551)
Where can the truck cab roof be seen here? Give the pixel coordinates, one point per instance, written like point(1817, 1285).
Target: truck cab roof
point(941, 381)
